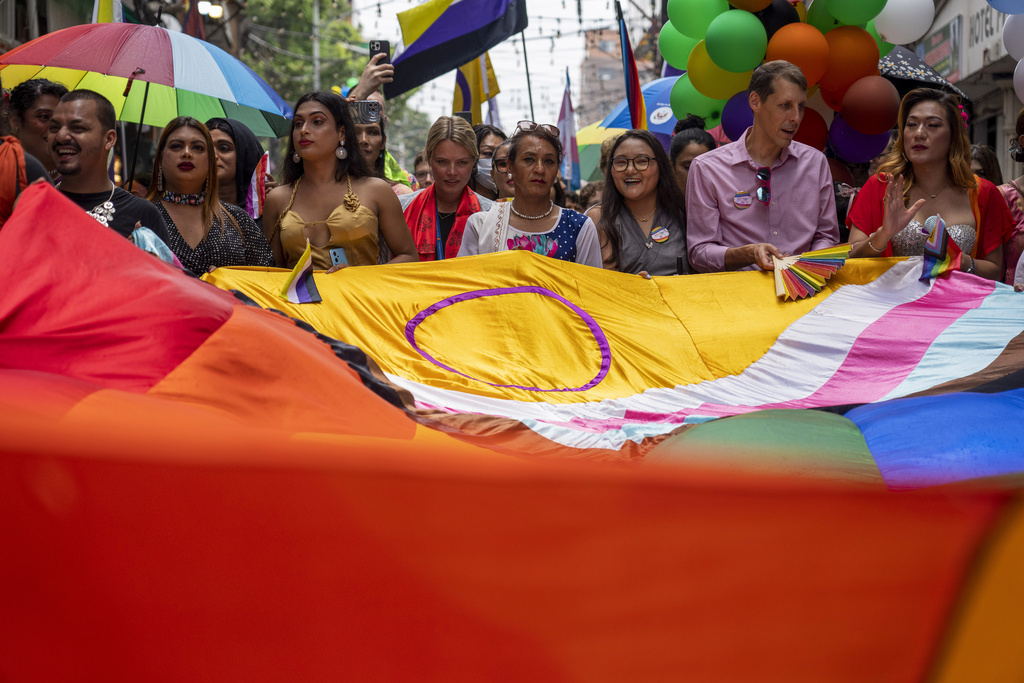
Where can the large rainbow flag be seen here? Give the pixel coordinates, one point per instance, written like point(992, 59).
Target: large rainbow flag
point(194, 487)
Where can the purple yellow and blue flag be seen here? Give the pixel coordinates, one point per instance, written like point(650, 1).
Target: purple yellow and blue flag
point(475, 83)
point(567, 136)
point(441, 35)
point(634, 95)
point(300, 288)
point(941, 254)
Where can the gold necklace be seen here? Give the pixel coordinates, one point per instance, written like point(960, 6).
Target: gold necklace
point(644, 220)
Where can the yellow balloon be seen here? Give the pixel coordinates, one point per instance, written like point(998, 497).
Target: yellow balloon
point(711, 80)
point(801, 10)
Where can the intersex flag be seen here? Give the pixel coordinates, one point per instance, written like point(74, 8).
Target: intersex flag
point(441, 35)
point(567, 136)
point(634, 95)
point(475, 83)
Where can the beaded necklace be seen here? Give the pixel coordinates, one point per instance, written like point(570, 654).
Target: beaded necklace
point(196, 199)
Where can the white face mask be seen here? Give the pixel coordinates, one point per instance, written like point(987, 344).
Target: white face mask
point(483, 174)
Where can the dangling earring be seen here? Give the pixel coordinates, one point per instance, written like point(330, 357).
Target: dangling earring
point(381, 155)
point(296, 158)
point(341, 152)
point(160, 180)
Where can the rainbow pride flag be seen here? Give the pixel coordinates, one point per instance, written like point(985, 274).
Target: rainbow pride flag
point(634, 95)
point(257, 193)
point(941, 254)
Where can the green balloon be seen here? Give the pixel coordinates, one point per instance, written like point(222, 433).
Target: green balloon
point(854, 12)
point(674, 46)
point(685, 100)
point(692, 17)
point(884, 48)
point(819, 16)
point(736, 41)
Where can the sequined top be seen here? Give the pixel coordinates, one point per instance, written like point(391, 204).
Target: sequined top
point(910, 240)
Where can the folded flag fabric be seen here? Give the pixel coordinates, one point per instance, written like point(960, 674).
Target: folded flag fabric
point(475, 83)
point(257, 188)
point(941, 254)
point(300, 288)
point(634, 94)
point(804, 275)
point(441, 35)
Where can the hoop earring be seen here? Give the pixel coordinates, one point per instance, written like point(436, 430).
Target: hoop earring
point(296, 158)
point(341, 152)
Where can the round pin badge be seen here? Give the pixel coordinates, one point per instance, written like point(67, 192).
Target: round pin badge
point(659, 234)
point(742, 200)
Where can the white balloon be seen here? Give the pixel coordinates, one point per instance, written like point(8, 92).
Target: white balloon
point(1018, 80)
point(1013, 36)
point(904, 21)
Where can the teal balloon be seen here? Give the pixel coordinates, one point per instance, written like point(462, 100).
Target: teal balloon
point(819, 16)
point(674, 46)
point(854, 12)
point(736, 41)
point(692, 17)
point(685, 100)
point(884, 47)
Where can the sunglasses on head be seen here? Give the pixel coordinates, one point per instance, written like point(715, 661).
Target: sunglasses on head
point(527, 126)
point(764, 193)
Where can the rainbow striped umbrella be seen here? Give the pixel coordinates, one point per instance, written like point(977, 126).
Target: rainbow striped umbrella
point(186, 76)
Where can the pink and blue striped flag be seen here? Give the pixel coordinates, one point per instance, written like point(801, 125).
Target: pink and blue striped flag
point(634, 95)
point(567, 136)
point(941, 254)
point(300, 288)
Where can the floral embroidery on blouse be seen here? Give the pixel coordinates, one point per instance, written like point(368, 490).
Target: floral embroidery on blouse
point(539, 244)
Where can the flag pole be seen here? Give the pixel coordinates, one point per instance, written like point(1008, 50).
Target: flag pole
point(526, 63)
point(622, 49)
point(142, 116)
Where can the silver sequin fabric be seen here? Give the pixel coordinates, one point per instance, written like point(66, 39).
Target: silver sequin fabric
point(910, 241)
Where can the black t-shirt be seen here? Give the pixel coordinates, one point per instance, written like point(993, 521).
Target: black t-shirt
point(128, 210)
point(34, 170)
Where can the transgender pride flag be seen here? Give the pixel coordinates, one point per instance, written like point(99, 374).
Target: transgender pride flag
point(567, 136)
point(300, 288)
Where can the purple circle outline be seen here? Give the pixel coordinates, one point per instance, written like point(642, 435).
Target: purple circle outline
point(595, 330)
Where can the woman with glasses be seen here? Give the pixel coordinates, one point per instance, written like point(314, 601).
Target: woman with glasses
point(437, 215)
point(531, 221)
point(500, 172)
point(928, 173)
point(642, 217)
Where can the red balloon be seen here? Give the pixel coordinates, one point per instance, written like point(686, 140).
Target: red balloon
point(852, 55)
point(812, 130)
point(802, 45)
point(833, 98)
point(871, 104)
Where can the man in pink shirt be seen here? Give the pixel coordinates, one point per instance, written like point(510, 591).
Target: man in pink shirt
point(764, 194)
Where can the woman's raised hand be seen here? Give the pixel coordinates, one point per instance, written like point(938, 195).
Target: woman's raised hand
point(895, 214)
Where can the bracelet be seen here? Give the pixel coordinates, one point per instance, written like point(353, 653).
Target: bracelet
point(876, 250)
point(971, 269)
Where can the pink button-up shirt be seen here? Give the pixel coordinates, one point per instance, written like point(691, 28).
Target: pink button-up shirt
point(722, 210)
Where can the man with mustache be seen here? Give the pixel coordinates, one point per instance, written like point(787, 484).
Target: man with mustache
point(763, 195)
point(82, 134)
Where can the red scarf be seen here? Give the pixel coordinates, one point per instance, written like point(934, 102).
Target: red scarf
point(12, 170)
point(421, 215)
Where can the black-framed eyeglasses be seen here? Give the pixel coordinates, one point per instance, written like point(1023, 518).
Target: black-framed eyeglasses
point(764, 193)
point(501, 164)
point(527, 126)
point(640, 163)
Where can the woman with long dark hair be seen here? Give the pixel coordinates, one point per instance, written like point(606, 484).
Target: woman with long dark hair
point(928, 173)
point(330, 197)
point(642, 218)
point(238, 154)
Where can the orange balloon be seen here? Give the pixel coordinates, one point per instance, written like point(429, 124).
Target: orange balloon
point(812, 130)
point(750, 5)
point(852, 55)
point(802, 45)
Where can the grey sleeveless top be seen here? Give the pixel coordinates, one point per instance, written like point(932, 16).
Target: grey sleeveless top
point(637, 253)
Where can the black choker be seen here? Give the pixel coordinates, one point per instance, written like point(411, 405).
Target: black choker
point(197, 199)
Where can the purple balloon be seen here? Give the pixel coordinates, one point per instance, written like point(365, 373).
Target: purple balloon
point(737, 116)
point(853, 146)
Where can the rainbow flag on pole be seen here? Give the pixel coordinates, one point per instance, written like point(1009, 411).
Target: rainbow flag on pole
point(300, 288)
point(257, 193)
point(567, 136)
point(941, 254)
point(634, 95)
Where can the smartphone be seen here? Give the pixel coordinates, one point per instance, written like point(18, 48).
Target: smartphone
point(381, 46)
point(338, 257)
point(467, 115)
point(365, 111)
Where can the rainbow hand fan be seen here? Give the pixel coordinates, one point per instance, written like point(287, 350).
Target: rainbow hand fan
point(803, 275)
